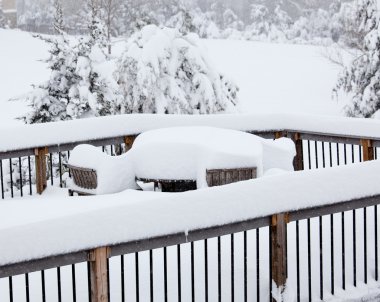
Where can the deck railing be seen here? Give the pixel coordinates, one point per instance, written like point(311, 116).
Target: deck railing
point(340, 241)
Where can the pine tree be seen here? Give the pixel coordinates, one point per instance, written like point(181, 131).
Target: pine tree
point(49, 100)
point(361, 78)
point(3, 21)
point(95, 92)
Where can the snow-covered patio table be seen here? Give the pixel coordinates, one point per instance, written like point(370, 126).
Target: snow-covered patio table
point(181, 158)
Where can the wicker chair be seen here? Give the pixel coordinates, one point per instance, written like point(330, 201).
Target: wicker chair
point(83, 178)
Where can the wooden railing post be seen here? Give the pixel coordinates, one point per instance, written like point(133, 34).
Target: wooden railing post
point(279, 252)
point(98, 274)
point(41, 177)
point(368, 150)
point(279, 134)
point(129, 140)
point(298, 159)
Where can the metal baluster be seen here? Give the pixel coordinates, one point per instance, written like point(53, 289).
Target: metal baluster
point(137, 277)
point(60, 168)
point(59, 286)
point(354, 243)
point(179, 271)
point(192, 272)
point(10, 282)
point(245, 267)
point(376, 247)
point(298, 261)
point(2, 179)
point(43, 286)
point(122, 278)
point(219, 271)
point(20, 173)
point(73, 280)
point(51, 169)
point(206, 269)
point(320, 258)
point(343, 254)
point(332, 253)
point(232, 269)
point(258, 265)
point(11, 175)
point(309, 257)
point(165, 274)
point(30, 177)
point(365, 245)
point(316, 154)
point(27, 295)
point(151, 281)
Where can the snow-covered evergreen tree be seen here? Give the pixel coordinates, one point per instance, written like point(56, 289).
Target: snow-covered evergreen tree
point(3, 21)
point(164, 71)
point(95, 90)
point(49, 100)
point(361, 78)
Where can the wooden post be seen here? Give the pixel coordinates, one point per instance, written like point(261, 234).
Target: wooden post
point(368, 150)
point(129, 140)
point(98, 274)
point(41, 177)
point(279, 134)
point(298, 159)
point(279, 252)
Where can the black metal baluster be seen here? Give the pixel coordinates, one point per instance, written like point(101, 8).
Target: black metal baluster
point(270, 266)
point(179, 271)
point(232, 269)
point(73, 280)
point(245, 267)
point(11, 175)
point(165, 274)
point(51, 169)
point(20, 173)
point(320, 258)
point(108, 280)
point(151, 281)
point(337, 154)
point(206, 269)
point(122, 278)
point(137, 277)
point(352, 154)
point(60, 168)
point(2, 179)
point(10, 282)
point(89, 281)
point(330, 155)
point(345, 153)
point(192, 272)
point(258, 265)
point(360, 154)
point(323, 155)
point(27, 295)
point(68, 157)
point(59, 286)
point(376, 248)
point(43, 286)
point(343, 254)
point(316, 154)
point(309, 257)
point(365, 245)
point(354, 243)
point(219, 271)
point(332, 253)
point(30, 176)
point(308, 154)
point(298, 261)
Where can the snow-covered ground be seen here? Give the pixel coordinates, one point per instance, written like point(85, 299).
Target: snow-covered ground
point(271, 77)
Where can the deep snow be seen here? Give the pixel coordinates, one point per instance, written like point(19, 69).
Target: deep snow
point(271, 77)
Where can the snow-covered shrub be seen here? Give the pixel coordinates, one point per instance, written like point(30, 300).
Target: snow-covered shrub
point(164, 71)
point(361, 78)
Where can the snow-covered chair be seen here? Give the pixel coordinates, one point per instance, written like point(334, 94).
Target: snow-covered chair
point(94, 172)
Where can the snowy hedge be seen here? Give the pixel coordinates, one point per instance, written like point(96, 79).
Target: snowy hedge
point(165, 71)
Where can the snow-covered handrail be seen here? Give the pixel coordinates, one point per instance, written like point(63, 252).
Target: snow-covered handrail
point(179, 218)
point(66, 134)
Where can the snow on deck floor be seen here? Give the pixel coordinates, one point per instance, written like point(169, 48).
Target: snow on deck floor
point(271, 77)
